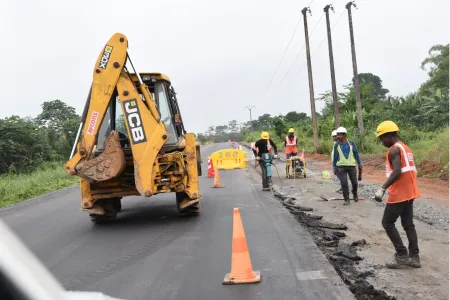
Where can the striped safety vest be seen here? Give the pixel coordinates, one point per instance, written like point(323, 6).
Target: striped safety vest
point(350, 161)
point(405, 187)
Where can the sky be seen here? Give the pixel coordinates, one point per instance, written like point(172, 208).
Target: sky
point(220, 55)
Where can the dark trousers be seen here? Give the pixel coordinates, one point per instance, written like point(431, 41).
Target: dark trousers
point(262, 164)
point(342, 173)
point(291, 155)
point(404, 210)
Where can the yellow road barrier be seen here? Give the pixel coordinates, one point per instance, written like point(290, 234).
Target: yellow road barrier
point(229, 159)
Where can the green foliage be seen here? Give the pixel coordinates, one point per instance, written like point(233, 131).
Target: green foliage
point(423, 116)
point(23, 146)
point(438, 64)
point(48, 177)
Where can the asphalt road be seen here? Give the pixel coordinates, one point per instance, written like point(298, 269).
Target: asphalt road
point(151, 253)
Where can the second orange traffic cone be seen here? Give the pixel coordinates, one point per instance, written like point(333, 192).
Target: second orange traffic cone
point(217, 183)
point(241, 266)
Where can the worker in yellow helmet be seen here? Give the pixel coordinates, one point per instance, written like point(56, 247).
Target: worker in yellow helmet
point(402, 184)
point(290, 144)
point(264, 146)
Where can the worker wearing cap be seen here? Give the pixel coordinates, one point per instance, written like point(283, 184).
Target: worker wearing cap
point(403, 189)
point(345, 157)
point(264, 145)
point(290, 144)
point(335, 139)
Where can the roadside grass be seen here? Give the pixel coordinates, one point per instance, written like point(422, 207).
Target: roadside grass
point(49, 177)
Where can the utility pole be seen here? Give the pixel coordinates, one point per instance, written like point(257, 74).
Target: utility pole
point(250, 107)
point(355, 70)
point(310, 79)
point(337, 118)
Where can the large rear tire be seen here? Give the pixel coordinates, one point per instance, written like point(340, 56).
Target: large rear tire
point(191, 210)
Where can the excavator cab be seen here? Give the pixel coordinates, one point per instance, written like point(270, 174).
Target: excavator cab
point(164, 96)
point(132, 140)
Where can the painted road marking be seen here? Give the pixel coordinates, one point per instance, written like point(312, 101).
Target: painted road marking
point(310, 275)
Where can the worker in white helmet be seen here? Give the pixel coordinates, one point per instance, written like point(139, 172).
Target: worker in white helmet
point(345, 158)
point(335, 139)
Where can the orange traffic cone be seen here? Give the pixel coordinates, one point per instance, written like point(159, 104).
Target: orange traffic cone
point(217, 179)
point(210, 168)
point(241, 266)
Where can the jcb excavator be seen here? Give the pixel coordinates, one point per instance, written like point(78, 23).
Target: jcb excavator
point(132, 140)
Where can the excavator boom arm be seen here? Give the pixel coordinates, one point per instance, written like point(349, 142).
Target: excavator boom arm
point(146, 132)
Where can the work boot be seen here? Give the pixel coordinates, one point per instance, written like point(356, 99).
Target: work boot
point(355, 197)
point(269, 180)
point(399, 262)
point(414, 261)
point(347, 202)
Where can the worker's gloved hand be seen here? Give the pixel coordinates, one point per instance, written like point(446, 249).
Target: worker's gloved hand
point(335, 171)
point(379, 194)
point(359, 173)
point(258, 158)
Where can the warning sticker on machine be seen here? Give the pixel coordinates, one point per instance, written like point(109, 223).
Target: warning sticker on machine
point(105, 57)
point(92, 122)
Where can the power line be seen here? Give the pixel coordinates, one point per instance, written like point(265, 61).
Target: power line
point(298, 55)
point(304, 66)
point(285, 51)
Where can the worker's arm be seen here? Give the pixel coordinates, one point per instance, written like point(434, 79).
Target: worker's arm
point(355, 152)
point(274, 146)
point(395, 162)
point(335, 157)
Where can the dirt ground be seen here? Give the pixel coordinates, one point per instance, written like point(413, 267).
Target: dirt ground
point(434, 190)
point(363, 220)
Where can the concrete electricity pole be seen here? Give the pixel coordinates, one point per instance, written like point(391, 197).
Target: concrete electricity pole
point(250, 107)
point(310, 79)
point(355, 71)
point(337, 118)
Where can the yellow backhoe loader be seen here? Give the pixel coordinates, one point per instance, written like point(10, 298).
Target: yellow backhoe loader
point(132, 140)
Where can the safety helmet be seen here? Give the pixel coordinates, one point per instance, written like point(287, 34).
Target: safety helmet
point(291, 130)
point(265, 135)
point(334, 133)
point(341, 130)
point(385, 127)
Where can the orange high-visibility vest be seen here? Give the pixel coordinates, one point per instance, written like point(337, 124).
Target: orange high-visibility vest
point(291, 147)
point(405, 187)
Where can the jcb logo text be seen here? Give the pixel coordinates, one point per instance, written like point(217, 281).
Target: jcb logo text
point(133, 118)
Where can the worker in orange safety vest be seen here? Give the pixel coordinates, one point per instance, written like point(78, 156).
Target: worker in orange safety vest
point(290, 144)
point(403, 189)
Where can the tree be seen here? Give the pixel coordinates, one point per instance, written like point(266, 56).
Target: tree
point(294, 116)
point(54, 114)
point(438, 69)
point(61, 122)
point(23, 145)
point(221, 130)
point(376, 82)
point(232, 125)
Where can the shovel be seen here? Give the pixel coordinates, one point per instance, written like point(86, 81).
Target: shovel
point(333, 198)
